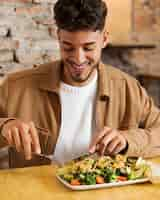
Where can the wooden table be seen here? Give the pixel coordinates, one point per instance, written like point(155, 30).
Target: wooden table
point(38, 183)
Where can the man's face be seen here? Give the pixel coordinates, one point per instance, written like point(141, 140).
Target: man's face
point(80, 53)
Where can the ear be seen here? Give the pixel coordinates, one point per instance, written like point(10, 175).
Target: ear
point(105, 38)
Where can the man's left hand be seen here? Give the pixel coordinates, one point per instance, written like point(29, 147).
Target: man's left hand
point(108, 141)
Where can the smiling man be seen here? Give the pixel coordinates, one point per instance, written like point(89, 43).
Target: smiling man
point(76, 105)
point(80, 52)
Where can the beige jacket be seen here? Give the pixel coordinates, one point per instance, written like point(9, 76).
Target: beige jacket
point(121, 103)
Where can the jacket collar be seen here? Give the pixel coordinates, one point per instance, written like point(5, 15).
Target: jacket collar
point(52, 78)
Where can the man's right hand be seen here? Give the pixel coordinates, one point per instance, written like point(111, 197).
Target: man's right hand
point(23, 136)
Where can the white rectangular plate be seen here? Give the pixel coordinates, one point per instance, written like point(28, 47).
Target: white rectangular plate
point(98, 186)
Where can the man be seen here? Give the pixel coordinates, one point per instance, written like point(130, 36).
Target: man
point(69, 107)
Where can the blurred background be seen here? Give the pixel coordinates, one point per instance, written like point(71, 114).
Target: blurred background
point(28, 38)
point(134, 28)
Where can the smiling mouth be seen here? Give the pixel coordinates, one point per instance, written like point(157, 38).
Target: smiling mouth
point(79, 67)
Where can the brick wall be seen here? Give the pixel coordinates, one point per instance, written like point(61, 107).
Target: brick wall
point(27, 33)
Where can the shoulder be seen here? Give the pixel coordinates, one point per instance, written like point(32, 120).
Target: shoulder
point(31, 75)
point(125, 81)
point(117, 74)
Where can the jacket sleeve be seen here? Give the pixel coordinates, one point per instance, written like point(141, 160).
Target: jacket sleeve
point(145, 141)
point(3, 108)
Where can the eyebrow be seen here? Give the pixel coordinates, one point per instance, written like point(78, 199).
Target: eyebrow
point(88, 43)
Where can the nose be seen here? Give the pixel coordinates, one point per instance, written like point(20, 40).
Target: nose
point(79, 57)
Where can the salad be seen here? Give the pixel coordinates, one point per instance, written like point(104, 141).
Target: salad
point(103, 169)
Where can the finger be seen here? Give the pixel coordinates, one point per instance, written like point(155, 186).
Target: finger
point(16, 138)
point(102, 149)
point(117, 149)
point(97, 139)
point(26, 139)
point(122, 145)
point(113, 144)
point(35, 138)
point(106, 140)
point(9, 137)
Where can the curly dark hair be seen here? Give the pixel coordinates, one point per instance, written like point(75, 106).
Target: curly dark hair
point(74, 15)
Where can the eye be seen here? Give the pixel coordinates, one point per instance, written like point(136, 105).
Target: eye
point(88, 49)
point(68, 49)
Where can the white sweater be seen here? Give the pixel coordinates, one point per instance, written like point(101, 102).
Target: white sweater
point(77, 124)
